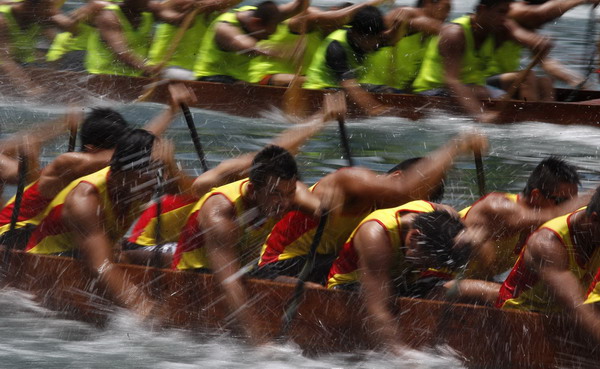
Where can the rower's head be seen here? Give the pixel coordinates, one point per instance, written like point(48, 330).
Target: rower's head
point(491, 14)
point(552, 182)
point(40, 9)
point(366, 28)
point(436, 9)
point(264, 20)
point(273, 177)
point(398, 171)
point(592, 211)
point(101, 130)
point(135, 164)
point(430, 241)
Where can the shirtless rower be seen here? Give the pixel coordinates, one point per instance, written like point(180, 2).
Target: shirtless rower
point(455, 63)
point(230, 43)
point(21, 26)
point(315, 25)
point(396, 66)
point(99, 134)
point(141, 246)
point(556, 266)
point(387, 255)
point(354, 193)
point(88, 217)
point(119, 44)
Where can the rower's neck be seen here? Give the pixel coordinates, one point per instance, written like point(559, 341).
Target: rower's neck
point(480, 31)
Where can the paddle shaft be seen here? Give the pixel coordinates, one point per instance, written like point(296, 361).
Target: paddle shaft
point(521, 78)
point(194, 134)
point(72, 138)
point(294, 303)
point(14, 217)
point(345, 141)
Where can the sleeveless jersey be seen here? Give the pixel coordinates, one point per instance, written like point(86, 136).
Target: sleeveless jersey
point(523, 290)
point(66, 41)
point(396, 66)
point(187, 50)
point(174, 212)
point(190, 253)
point(213, 61)
point(52, 236)
point(32, 204)
point(345, 269)
point(507, 249)
point(319, 75)
point(22, 41)
point(474, 61)
point(262, 66)
point(594, 290)
point(101, 60)
point(293, 234)
point(506, 59)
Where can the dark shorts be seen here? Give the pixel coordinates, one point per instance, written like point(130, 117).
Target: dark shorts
point(219, 79)
point(292, 268)
point(494, 81)
point(382, 89)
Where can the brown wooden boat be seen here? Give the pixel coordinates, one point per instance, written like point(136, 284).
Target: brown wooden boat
point(328, 321)
point(251, 100)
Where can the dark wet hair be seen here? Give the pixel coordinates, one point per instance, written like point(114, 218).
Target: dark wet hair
point(272, 161)
point(435, 196)
point(267, 12)
point(491, 3)
point(437, 232)
point(594, 204)
point(536, 2)
point(102, 128)
point(421, 3)
point(133, 151)
point(368, 21)
point(549, 174)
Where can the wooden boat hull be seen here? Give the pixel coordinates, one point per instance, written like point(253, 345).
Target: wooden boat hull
point(251, 100)
point(327, 321)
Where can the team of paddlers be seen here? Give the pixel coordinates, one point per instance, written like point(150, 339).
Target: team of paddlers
point(383, 234)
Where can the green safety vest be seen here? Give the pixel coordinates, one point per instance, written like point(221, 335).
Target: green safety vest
point(507, 58)
point(474, 62)
point(396, 66)
point(262, 66)
point(101, 60)
point(66, 41)
point(22, 41)
point(187, 50)
point(213, 61)
point(319, 75)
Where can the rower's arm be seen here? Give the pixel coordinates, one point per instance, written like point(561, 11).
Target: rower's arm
point(535, 16)
point(557, 70)
point(111, 32)
point(527, 38)
point(545, 255)
point(364, 99)
point(178, 94)
point(375, 256)
point(70, 22)
point(83, 216)
point(209, 6)
point(229, 38)
point(292, 8)
point(221, 236)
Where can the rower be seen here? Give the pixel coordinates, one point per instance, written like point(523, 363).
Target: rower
point(227, 226)
point(354, 193)
point(556, 266)
point(99, 134)
point(456, 60)
point(88, 218)
point(119, 44)
point(394, 68)
point(388, 254)
point(21, 25)
point(141, 246)
point(231, 40)
point(315, 25)
point(181, 65)
point(339, 60)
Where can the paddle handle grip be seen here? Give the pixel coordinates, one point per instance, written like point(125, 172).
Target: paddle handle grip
point(194, 134)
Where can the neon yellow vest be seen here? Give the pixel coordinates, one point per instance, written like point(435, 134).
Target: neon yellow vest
point(22, 42)
point(474, 62)
point(213, 61)
point(187, 51)
point(101, 60)
point(283, 38)
point(319, 75)
point(66, 41)
point(507, 58)
point(396, 66)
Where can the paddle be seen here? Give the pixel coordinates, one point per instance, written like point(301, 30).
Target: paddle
point(345, 142)
point(292, 98)
point(14, 217)
point(194, 134)
point(72, 138)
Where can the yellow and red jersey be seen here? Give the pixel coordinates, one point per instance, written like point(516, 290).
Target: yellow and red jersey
point(52, 235)
point(593, 295)
point(345, 269)
point(32, 204)
point(523, 288)
point(190, 253)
